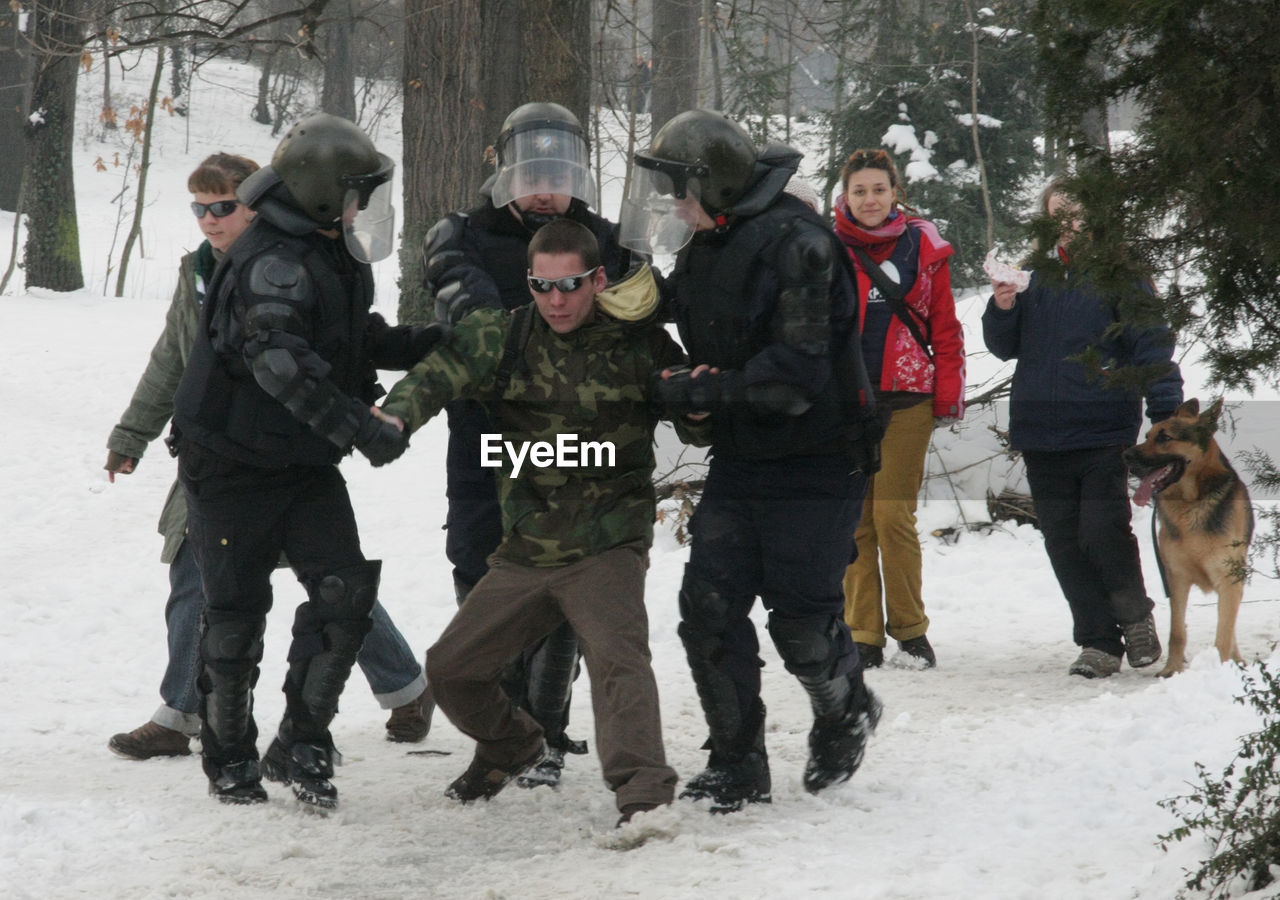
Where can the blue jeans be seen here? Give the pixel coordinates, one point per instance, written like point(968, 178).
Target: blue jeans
point(394, 674)
point(180, 710)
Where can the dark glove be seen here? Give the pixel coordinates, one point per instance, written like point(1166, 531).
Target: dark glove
point(375, 331)
point(863, 437)
point(682, 394)
point(119, 464)
point(425, 338)
point(381, 442)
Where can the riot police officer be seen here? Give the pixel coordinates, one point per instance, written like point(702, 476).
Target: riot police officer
point(478, 258)
point(278, 388)
point(767, 313)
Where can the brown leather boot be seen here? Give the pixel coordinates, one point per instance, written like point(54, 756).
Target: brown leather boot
point(150, 740)
point(411, 723)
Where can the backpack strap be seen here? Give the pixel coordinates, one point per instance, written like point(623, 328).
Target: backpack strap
point(513, 349)
point(895, 295)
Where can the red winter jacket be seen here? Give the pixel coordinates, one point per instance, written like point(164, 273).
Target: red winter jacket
point(906, 365)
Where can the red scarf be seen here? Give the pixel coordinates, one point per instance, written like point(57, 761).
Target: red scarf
point(878, 242)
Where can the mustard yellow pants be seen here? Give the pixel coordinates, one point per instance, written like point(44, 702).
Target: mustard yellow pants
point(882, 589)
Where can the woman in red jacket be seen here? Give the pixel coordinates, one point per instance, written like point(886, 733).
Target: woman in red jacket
point(913, 347)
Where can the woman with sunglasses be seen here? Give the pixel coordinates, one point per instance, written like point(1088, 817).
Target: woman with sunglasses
point(913, 347)
point(394, 672)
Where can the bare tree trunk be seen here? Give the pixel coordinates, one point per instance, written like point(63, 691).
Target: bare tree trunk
point(338, 96)
point(135, 230)
point(52, 254)
point(561, 71)
point(975, 71)
point(1093, 124)
point(675, 58)
point(262, 109)
point(502, 85)
point(466, 68)
point(15, 82)
point(443, 127)
point(108, 116)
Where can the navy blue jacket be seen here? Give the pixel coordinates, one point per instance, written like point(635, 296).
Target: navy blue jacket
point(1056, 404)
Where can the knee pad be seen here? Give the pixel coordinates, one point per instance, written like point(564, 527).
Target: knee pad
point(348, 593)
point(232, 645)
point(703, 609)
point(717, 634)
point(813, 645)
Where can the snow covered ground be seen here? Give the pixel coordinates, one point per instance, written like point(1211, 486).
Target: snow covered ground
point(993, 776)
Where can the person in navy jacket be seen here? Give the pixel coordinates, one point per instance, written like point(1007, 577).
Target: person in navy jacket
point(1072, 422)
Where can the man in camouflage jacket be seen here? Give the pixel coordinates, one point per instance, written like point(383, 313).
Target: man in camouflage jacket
point(575, 459)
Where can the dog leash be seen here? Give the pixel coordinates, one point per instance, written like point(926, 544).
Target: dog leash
point(1155, 542)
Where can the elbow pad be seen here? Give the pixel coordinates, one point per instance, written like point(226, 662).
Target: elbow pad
point(325, 409)
point(803, 318)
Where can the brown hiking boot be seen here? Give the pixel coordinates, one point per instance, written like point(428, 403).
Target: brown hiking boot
point(150, 740)
point(410, 723)
point(483, 781)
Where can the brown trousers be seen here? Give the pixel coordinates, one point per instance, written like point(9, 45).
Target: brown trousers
point(602, 597)
point(882, 589)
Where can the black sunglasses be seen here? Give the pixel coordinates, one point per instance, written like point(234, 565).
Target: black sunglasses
point(567, 284)
point(219, 208)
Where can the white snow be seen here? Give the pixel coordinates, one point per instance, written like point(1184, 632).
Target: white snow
point(994, 776)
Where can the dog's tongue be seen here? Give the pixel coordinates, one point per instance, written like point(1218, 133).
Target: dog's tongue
point(1142, 496)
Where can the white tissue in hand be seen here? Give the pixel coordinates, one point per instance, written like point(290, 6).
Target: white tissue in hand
point(1000, 271)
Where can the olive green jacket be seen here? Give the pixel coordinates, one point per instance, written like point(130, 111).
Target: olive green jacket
point(576, 395)
point(152, 404)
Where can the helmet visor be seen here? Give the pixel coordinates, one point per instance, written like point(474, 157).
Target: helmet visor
point(658, 215)
point(369, 222)
point(544, 161)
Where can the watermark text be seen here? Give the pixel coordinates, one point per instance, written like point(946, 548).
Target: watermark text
point(568, 452)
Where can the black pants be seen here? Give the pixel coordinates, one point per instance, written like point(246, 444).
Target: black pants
point(241, 518)
point(780, 530)
point(473, 529)
point(1082, 502)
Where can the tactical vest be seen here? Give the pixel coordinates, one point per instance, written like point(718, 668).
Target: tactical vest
point(725, 318)
point(220, 406)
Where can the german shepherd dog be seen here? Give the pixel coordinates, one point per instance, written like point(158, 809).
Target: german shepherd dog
point(1205, 521)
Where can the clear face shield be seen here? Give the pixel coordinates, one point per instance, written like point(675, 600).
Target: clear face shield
point(661, 209)
point(368, 215)
point(544, 161)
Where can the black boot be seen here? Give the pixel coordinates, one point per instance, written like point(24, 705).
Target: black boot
point(231, 649)
point(845, 716)
point(237, 783)
point(304, 767)
point(336, 618)
point(549, 669)
point(737, 771)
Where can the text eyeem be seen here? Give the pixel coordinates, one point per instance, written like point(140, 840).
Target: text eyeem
point(568, 452)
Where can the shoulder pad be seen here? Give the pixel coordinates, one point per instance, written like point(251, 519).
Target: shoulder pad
point(273, 275)
point(805, 253)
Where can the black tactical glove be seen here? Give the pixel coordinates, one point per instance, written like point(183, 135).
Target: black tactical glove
point(425, 338)
point(682, 394)
point(381, 441)
point(863, 438)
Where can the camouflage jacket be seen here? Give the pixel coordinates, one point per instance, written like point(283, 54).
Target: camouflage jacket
point(572, 397)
